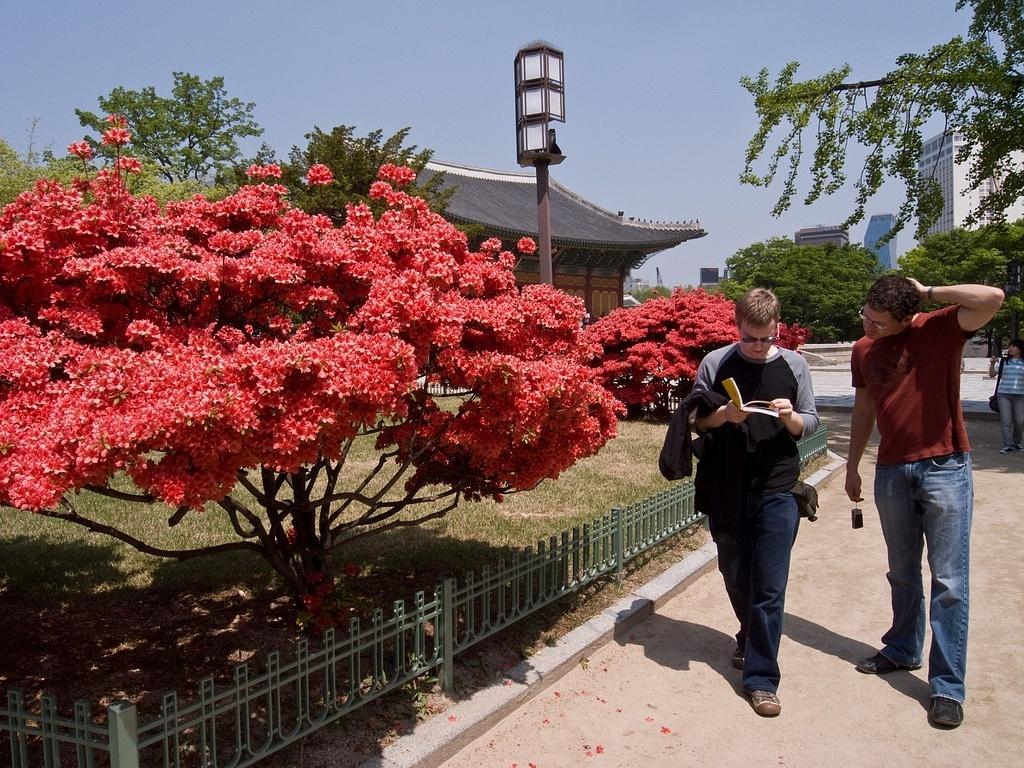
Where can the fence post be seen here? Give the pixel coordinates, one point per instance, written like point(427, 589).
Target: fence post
point(123, 735)
point(447, 636)
point(618, 541)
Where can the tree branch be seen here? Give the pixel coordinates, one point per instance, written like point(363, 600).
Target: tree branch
point(102, 490)
point(71, 516)
point(405, 523)
point(863, 84)
point(177, 517)
point(234, 508)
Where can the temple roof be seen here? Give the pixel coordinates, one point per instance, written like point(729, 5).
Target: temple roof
point(505, 204)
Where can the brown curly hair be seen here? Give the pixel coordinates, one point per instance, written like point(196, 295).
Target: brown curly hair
point(894, 294)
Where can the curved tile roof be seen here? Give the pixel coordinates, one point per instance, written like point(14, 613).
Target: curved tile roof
point(506, 204)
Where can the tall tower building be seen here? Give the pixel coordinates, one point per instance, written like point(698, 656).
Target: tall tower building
point(938, 161)
point(879, 226)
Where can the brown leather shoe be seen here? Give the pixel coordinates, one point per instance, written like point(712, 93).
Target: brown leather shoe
point(765, 703)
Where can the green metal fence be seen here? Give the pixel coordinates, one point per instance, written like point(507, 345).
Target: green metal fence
point(237, 722)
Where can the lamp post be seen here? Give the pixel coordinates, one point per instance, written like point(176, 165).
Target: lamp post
point(540, 99)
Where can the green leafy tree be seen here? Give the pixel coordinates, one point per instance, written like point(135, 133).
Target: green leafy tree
point(982, 256)
point(236, 176)
point(20, 173)
point(975, 83)
point(354, 161)
point(15, 174)
point(656, 292)
point(821, 287)
point(192, 135)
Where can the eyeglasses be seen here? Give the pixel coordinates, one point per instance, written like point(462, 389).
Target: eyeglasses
point(762, 339)
point(877, 325)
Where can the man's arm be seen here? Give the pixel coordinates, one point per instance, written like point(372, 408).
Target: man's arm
point(862, 420)
point(978, 303)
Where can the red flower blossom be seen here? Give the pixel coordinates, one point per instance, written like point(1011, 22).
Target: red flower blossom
point(645, 354)
point(80, 149)
point(116, 137)
point(117, 121)
point(396, 174)
point(271, 171)
point(319, 175)
point(526, 245)
point(129, 164)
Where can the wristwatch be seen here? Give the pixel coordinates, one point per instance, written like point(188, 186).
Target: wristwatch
point(930, 289)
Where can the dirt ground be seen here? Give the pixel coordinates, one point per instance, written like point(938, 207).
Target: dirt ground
point(665, 693)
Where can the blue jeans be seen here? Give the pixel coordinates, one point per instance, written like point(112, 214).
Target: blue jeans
point(1011, 416)
point(929, 501)
point(756, 570)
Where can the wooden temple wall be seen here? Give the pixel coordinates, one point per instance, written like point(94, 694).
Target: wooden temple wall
point(600, 294)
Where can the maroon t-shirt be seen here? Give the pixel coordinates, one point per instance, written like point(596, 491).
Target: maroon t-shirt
point(914, 378)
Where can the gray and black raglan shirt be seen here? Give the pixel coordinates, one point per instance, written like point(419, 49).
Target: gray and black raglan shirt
point(772, 462)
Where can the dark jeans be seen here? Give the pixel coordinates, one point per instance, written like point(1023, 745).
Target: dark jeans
point(756, 569)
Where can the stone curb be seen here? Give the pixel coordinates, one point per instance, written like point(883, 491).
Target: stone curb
point(439, 738)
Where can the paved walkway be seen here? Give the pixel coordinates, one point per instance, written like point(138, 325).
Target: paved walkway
point(832, 388)
point(650, 683)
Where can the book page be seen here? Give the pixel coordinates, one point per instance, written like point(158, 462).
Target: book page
point(766, 411)
point(754, 406)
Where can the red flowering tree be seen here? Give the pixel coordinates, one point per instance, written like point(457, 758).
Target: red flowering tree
point(226, 356)
point(652, 352)
point(792, 335)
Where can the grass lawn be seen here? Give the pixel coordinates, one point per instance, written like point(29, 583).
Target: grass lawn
point(45, 560)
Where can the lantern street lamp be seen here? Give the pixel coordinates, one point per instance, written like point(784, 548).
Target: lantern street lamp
point(540, 99)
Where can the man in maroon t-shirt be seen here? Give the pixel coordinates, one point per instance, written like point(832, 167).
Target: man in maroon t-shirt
point(906, 375)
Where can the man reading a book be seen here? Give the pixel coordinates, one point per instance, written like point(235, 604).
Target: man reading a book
point(749, 458)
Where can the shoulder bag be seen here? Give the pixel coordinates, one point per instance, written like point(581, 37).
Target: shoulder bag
point(993, 402)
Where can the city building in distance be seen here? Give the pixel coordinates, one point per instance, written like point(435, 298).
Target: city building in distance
point(820, 235)
point(879, 226)
point(635, 285)
point(938, 162)
point(709, 276)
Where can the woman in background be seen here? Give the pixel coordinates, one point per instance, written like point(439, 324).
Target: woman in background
point(1010, 394)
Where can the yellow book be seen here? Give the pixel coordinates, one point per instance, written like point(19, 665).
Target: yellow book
point(752, 406)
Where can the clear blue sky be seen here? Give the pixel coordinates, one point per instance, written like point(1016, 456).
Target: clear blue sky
point(657, 123)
